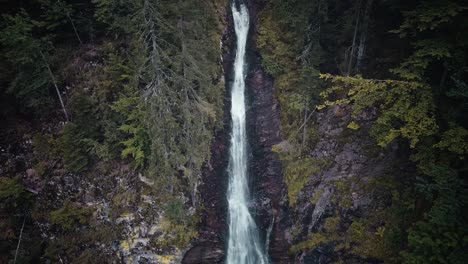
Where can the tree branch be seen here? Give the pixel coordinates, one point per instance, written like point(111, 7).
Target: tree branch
point(19, 241)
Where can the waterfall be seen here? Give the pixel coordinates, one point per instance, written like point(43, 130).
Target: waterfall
point(244, 245)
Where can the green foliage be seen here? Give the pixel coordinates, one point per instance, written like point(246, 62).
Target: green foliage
point(15, 204)
point(428, 51)
point(343, 194)
point(174, 211)
point(29, 80)
point(115, 14)
point(105, 115)
point(179, 226)
point(429, 15)
point(378, 236)
point(44, 146)
point(40, 168)
point(69, 216)
point(291, 52)
point(277, 55)
point(13, 195)
point(181, 99)
point(353, 125)
point(94, 110)
point(406, 108)
point(74, 151)
point(148, 91)
point(77, 247)
point(297, 173)
point(167, 99)
point(178, 235)
point(317, 197)
point(137, 145)
point(84, 114)
point(55, 14)
point(356, 230)
point(328, 235)
point(454, 140)
point(316, 239)
point(440, 237)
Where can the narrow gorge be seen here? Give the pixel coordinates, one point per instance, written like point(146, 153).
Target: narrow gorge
point(243, 240)
point(267, 202)
point(233, 131)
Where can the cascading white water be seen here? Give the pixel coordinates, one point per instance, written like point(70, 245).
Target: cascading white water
point(244, 245)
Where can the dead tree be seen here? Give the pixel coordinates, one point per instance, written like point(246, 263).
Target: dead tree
point(67, 13)
point(54, 82)
point(19, 240)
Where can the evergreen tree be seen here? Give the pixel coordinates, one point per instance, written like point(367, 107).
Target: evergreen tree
point(22, 51)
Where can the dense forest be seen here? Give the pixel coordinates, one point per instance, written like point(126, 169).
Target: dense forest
point(407, 60)
point(92, 88)
point(109, 109)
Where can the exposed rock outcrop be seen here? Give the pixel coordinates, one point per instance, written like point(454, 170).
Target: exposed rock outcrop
point(265, 168)
point(344, 192)
point(264, 131)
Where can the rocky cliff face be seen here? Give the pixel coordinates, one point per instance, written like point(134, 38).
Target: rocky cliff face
point(264, 131)
point(265, 168)
point(337, 214)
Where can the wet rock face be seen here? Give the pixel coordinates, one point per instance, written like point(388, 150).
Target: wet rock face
point(209, 248)
point(264, 131)
point(266, 172)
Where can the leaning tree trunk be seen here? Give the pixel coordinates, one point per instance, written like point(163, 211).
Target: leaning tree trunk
point(52, 77)
point(19, 241)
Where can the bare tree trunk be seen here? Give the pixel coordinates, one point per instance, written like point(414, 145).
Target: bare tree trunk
point(74, 29)
point(363, 36)
point(305, 128)
point(55, 84)
point(194, 195)
point(303, 124)
point(351, 54)
point(72, 23)
point(19, 240)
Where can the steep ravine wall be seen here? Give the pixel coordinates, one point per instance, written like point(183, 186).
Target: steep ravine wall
point(265, 170)
point(209, 246)
point(344, 205)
